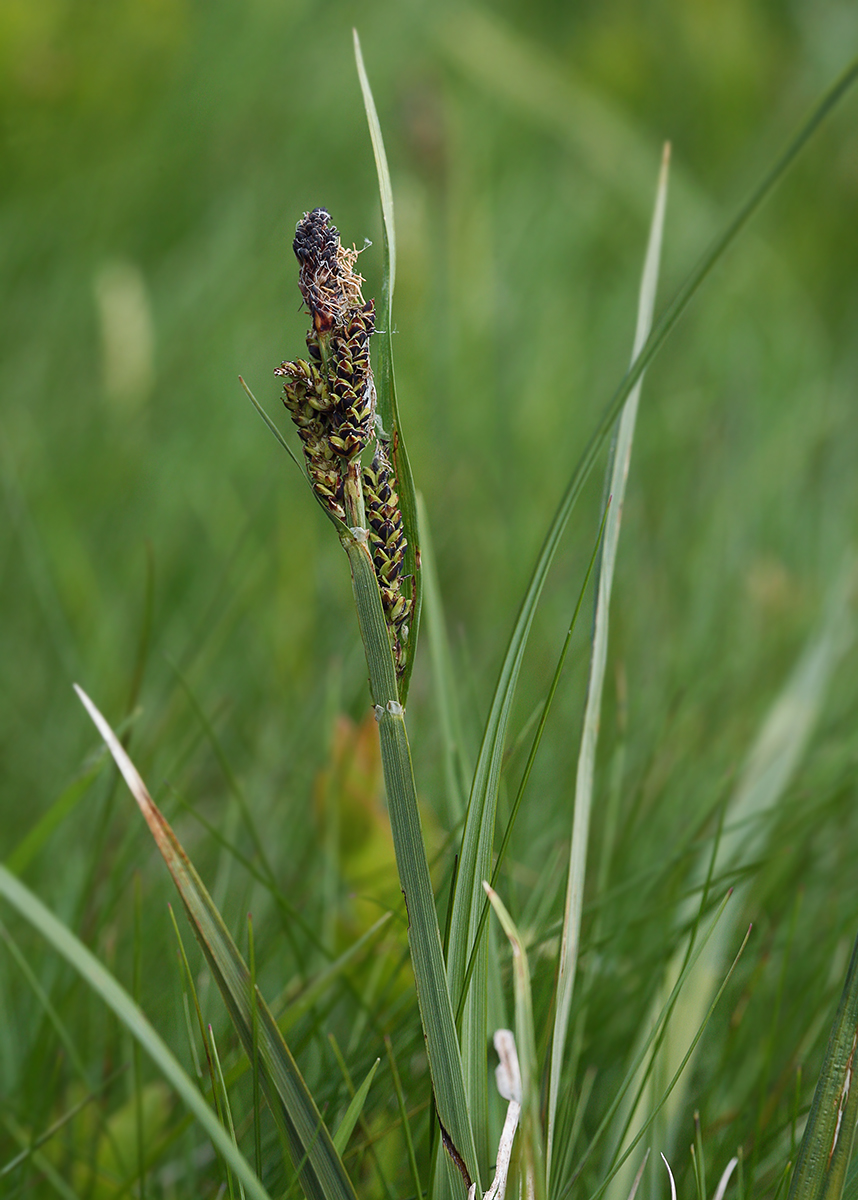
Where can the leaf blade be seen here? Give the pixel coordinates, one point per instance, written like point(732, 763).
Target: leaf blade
point(120, 1002)
point(386, 381)
point(319, 1166)
point(826, 1147)
point(618, 474)
point(433, 996)
point(477, 839)
point(525, 1038)
point(354, 1110)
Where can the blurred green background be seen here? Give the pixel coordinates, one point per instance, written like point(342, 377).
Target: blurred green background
point(155, 157)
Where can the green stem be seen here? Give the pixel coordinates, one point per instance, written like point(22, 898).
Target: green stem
point(436, 1010)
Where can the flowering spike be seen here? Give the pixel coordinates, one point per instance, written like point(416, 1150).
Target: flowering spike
point(387, 545)
point(331, 399)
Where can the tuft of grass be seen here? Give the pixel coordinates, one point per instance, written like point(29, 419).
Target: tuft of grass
point(612, 991)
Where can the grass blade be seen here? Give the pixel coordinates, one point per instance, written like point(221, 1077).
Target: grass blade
point(531, 1129)
point(403, 1116)
point(767, 772)
point(369, 1139)
point(534, 749)
point(354, 1110)
point(35, 839)
point(479, 828)
point(436, 1012)
point(221, 1098)
point(43, 999)
point(320, 1168)
point(118, 1000)
point(254, 1059)
point(619, 470)
point(272, 428)
point(458, 769)
point(820, 1171)
point(661, 1020)
point(316, 988)
point(385, 381)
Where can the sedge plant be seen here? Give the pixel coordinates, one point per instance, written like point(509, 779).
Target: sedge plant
point(354, 459)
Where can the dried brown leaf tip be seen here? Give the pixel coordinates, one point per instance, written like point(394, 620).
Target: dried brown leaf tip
point(331, 395)
point(331, 398)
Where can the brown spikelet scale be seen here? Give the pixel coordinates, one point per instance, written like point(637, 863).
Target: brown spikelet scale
point(331, 395)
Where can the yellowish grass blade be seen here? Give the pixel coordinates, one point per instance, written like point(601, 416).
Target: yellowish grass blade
point(319, 1166)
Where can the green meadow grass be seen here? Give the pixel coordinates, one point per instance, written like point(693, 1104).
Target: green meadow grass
point(159, 549)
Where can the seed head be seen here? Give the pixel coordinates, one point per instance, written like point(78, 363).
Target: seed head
point(327, 280)
point(387, 546)
point(331, 396)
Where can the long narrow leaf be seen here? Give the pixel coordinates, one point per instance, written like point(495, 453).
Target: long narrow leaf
point(403, 1116)
point(354, 1110)
point(531, 1130)
point(457, 768)
point(479, 828)
point(117, 999)
point(65, 803)
point(534, 746)
point(385, 380)
point(320, 1168)
point(674, 1079)
point(768, 770)
point(569, 944)
point(321, 983)
point(820, 1170)
point(424, 938)
point(631, 1073)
